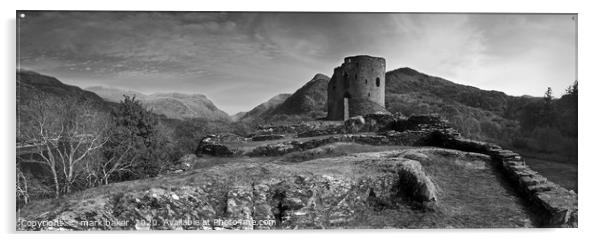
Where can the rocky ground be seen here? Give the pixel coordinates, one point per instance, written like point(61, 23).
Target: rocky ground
point(400, 188)
point(377, 171)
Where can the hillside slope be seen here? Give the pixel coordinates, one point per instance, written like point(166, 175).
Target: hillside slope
point(309, 99)
point(307, 103)
point(267, 107)
point(489, 115)
point(237, 116)
point(32, 84)
point(406, 80)
point(35, 91)
point(172, 105)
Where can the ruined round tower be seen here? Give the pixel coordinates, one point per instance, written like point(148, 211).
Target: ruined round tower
point(357, 87)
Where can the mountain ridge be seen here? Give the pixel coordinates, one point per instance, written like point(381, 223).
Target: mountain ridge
point(171, 104)
point(266, 107)
point(488, 115)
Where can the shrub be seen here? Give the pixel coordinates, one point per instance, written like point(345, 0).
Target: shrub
point(136, 139)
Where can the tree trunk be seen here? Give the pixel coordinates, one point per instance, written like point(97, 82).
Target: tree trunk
point(56, 182)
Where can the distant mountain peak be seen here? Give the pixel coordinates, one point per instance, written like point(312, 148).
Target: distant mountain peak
point(320, 76)
point(407, 70)
point(171, 104)
point(179, 95)
point(310, 99)
point(263, 109)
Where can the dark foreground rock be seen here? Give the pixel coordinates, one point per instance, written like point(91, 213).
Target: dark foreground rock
point(379, 122)
point(323, 193)
point(210, 145)
point(354, 124)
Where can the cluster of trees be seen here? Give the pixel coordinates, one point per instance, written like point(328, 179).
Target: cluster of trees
point(550, 125)
point(472, 122)
point(81, 146)
point(533, 125)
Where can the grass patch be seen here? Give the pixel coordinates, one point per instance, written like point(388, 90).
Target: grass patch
point(471, 193)
point(564, 174)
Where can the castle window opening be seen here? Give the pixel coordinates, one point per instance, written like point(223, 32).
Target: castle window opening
point(346, 83)
point(366, 81)
point(378, 82)
point(368, 94)
point(355, 76)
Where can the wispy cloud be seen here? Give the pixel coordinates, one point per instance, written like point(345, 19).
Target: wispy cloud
point(242, 59)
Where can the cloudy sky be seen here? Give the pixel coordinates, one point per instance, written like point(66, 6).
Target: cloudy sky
point(242, 59)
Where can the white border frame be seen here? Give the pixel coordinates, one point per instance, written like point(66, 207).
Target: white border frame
point(589, 116)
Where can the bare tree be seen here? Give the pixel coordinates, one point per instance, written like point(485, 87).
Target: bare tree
point(66, 132)
point(119, 160)
point(22, 188)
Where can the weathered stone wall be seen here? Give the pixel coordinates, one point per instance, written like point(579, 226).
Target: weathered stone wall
point(406, 138)
point(296, 128)
point(555, 206)
point(361, 79)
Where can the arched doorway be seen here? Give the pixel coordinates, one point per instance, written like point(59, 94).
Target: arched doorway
point(346, 98)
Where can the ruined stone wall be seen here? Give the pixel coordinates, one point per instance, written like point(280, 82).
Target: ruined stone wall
point(361, 79)
point(555, 206)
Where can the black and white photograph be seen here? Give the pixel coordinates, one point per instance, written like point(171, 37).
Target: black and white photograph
point(295, 120)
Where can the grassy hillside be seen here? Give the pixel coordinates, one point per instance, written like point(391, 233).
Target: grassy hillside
point(308, 102)
point(487, 115)
point(37, 89)
point(534, 125)
point(406, 80)
point(32, 84)
point(262, 110)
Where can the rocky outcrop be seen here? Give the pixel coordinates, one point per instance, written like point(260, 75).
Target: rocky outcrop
point(299, 128)
point(229, 138)
point(323, 193)
point(379, 122)
point(354, 124)
point(183, 164)
point(384, 122)
point(417, 184)
point(209, 145)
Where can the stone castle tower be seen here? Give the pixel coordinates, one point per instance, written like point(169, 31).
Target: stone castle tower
point(357, 87)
